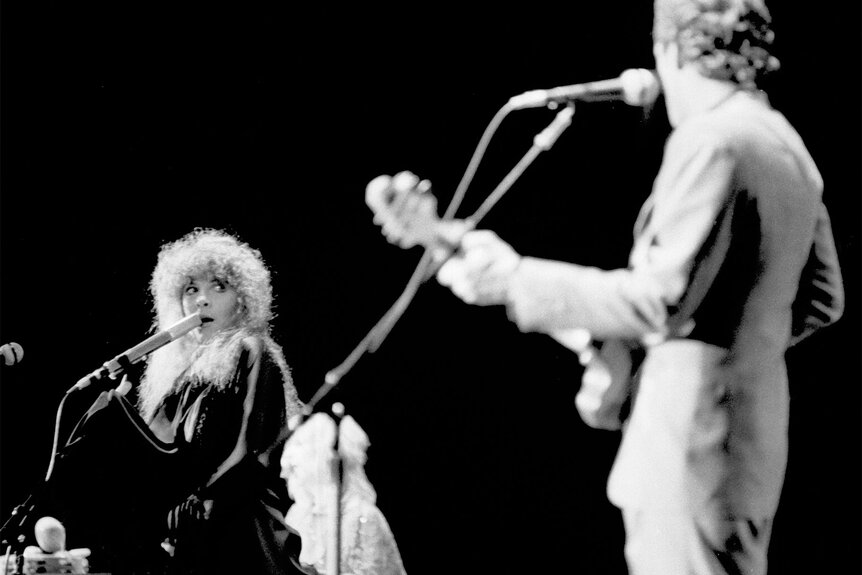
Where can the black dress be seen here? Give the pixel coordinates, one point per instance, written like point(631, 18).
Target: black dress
point(203, 475)
point(229, 437)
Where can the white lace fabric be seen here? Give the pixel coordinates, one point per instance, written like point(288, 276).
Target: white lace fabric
point(368, 545)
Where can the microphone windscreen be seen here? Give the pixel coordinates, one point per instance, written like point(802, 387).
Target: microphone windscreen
point(50, 535)
point(640, 87)
point(12, 353)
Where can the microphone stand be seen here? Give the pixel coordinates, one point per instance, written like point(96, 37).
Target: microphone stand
point(338, 478)
point(121, 363)
point(18, 539)
point(20, 516)
point(429, 265)
point(18, 524)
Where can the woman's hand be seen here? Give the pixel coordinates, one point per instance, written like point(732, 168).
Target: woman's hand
point(125, 385)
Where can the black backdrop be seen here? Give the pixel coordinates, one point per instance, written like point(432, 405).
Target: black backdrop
point(124, 128)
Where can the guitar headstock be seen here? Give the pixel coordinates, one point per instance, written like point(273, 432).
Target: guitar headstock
point(404, 208)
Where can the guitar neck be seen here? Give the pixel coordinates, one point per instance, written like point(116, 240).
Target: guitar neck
point(446, 235)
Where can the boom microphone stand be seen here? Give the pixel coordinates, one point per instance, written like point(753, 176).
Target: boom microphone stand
point(12, 533)
point(429, 264)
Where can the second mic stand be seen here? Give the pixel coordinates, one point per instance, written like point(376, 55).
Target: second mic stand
point(17, 523)
point(338, 478)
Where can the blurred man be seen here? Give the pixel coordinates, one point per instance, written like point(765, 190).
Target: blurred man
point(733, 262)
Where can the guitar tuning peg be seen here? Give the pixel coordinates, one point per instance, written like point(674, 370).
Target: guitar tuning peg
point(423, 186)
point(404, 181)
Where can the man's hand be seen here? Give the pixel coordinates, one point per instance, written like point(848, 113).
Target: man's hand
point(480, 273)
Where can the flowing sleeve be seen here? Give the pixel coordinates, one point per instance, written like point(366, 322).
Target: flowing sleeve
point(269, 400)
point(274, 401)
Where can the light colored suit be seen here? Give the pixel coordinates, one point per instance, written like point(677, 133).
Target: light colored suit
point(733, 262)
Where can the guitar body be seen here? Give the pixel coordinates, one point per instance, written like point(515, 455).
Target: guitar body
point(607, 385)
point(112, 486)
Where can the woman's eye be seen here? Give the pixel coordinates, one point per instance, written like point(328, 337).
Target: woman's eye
point(219, 286)
point(191, 290)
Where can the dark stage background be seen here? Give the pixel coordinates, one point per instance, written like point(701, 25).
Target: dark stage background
point(124, 128)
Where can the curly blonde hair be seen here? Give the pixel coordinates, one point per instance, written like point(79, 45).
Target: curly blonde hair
point(241, 267)
point(726, 39)
point(228, 259)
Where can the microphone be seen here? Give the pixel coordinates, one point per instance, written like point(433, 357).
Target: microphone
point(12, 353)
point(133, 355)
point(635, 87)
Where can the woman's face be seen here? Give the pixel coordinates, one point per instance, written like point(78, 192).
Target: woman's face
point(217, 302)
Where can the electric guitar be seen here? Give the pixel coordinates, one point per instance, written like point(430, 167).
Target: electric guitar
point(406, 211)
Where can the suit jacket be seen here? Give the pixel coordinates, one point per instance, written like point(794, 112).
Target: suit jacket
point(733, 261)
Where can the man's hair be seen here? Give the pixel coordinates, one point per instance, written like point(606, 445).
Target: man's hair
point(725, 39)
